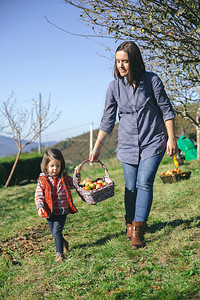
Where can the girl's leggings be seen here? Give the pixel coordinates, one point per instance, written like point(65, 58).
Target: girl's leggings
point(56, 224)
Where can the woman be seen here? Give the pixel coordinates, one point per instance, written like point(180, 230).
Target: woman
point(145, 131)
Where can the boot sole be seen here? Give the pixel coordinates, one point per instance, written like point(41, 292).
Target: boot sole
point(138, 246)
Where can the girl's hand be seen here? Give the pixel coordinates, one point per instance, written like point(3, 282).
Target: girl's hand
point(77, 169)
point(172, 147)
point(41, 212)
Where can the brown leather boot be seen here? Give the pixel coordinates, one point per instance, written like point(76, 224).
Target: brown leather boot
point(137, 237)
point(128, 227)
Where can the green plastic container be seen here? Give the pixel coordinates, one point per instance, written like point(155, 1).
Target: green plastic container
point(187, 147)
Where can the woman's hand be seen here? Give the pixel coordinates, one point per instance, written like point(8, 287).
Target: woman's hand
point(95, 154)
point(41, 212)
point(172, 147)
point(102, 136)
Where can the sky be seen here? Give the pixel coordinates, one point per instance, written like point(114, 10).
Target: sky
point(36, 57)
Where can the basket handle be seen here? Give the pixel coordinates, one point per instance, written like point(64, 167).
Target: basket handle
point(98, 161)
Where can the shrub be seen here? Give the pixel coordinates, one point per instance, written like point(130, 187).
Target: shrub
point(27, 169)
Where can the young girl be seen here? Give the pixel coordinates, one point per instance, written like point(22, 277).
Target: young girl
point(53, 196)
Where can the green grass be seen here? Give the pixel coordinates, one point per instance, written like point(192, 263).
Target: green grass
point(101, 264)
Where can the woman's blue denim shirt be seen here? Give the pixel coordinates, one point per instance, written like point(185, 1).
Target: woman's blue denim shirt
point(142, 112)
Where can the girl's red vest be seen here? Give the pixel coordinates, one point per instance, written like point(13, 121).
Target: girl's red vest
point(48, 194)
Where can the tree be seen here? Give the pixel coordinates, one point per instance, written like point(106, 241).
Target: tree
point(167, 32)
point(26, 125)
point(2, 126)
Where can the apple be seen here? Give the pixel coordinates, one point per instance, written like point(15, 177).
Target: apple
point(99, 178)
point(100, 181)
point(88, 182)
point(104, 183)
point(98, 185)
point(87, 188)
point(92, 185)
point(162, 174)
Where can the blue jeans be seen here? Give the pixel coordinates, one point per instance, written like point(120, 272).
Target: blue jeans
point(56, 224)
point(139, 181)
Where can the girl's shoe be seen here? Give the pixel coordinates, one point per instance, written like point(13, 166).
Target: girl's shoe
point(59, 257)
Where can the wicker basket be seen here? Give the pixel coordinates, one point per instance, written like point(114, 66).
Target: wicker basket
point(175, 177)
point(171, 178)
point(95, 196)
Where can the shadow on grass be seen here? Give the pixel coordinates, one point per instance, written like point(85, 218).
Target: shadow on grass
point(101, 241)
point(26, 197)
point(151, 229)
point(175, 223)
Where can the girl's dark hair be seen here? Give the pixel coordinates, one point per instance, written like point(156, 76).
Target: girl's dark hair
point(52, 153)
point(136, 63)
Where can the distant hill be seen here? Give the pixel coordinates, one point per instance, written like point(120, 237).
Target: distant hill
point(76, 149)
point(9, 148)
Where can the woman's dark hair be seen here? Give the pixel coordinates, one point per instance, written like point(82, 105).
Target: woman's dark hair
point(52, 153)
point(136, 63)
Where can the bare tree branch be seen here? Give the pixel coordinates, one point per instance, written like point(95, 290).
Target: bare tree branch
point(26, 124)
point(167, 32)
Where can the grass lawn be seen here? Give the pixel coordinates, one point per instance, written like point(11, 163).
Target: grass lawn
point(100, 263)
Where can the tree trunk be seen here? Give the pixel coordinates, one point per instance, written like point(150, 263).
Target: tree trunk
point(198, 144)
point(198, 133)
point(13, 168)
